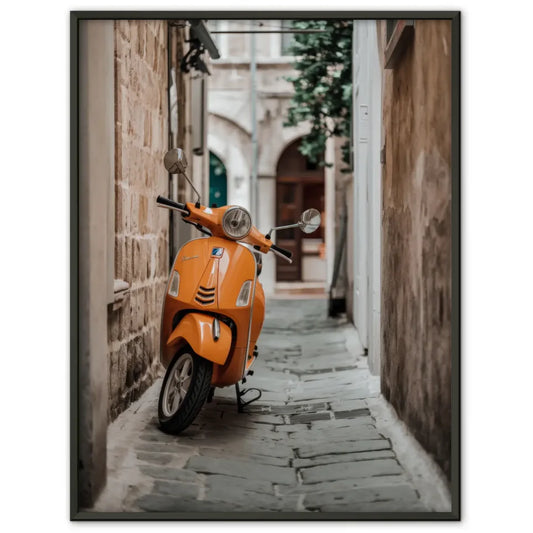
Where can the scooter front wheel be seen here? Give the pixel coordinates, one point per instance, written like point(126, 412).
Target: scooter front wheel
point(184, 391)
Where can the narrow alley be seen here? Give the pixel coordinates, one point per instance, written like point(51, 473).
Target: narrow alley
point(320, 439)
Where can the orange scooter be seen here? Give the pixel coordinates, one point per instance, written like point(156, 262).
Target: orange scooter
point(214, 306)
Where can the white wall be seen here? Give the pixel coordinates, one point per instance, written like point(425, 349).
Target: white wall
point(367, 188)
point(231, 146)
point(266, 219)
point(329, 200)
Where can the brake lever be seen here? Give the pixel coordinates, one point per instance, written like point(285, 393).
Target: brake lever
point(288, 259)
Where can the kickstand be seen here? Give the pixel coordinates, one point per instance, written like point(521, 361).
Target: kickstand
point(210, 395)
point(240, 393)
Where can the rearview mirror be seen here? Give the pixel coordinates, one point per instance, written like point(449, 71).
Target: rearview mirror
point(175, 161)
point(309, 220)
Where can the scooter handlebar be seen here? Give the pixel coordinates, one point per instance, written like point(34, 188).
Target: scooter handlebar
point(170, 204)
point(285, 254)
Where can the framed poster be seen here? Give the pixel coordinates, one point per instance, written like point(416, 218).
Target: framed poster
point(265, 243)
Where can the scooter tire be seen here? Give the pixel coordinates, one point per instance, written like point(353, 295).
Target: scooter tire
point(196, 395)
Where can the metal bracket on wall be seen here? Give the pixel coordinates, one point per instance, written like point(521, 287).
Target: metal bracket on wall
point(192, 59)
point(201, 41)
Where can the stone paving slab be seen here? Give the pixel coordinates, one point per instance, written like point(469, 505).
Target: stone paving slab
point(345, 434)
point(337, 471)
point(176, 488)
point(327, 448)
point(243, 469)
point(253, 457)
point(341, 420)
point(250, 447)
point(375, 507)
point(177, 504)
point(222, 483)
point(247, 448)
point(311, 443)
point(347, 405)
point(342, 458)
point(310, 417)
point(345, 485)
point(384, 493)
point(219, 432)
point(175, 474)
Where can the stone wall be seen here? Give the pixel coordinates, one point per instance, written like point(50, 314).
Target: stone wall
point(416, 246)
point(141, 229)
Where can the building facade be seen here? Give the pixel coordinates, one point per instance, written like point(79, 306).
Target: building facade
point(286, 185)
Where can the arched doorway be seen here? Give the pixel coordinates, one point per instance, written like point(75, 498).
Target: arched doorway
point(218, 181)
point(299, 186)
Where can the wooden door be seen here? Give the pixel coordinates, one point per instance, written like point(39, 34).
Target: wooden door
point(289, 207)
point(299, 185)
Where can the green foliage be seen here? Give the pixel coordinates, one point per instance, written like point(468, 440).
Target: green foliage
point(323, 85)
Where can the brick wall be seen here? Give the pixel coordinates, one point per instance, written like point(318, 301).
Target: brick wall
point(416, 246)
point(141, 229)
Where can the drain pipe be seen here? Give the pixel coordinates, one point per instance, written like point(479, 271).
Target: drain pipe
point(253, 97)
point(338, 305)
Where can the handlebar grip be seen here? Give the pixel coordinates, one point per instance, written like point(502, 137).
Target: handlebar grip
point(282, 251)
point(165, 202)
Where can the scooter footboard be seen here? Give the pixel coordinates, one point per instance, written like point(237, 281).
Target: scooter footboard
point(207, 340)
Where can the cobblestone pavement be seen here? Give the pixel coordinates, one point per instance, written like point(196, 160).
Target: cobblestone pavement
point(314, 442)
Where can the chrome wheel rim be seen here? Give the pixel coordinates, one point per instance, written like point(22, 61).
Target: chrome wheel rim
point(177, 384)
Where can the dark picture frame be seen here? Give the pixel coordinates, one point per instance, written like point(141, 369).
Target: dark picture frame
point(400, 35)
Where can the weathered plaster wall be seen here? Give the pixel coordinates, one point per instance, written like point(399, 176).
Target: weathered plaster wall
point(416, 251)
point(141, 242)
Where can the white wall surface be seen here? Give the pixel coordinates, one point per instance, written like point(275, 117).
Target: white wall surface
point(367, 188)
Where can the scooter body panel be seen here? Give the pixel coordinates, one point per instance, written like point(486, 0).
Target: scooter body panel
point(197, 330)
point(212, 272)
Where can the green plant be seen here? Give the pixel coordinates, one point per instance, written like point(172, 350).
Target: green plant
point(322, 85)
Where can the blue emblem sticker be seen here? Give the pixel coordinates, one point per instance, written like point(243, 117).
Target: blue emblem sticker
point(217, 252)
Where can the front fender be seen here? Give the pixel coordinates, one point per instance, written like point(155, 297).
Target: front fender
point(197, 330)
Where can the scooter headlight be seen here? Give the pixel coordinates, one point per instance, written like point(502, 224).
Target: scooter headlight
point(236, 223)
point(244, 294)
point(174, 285)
